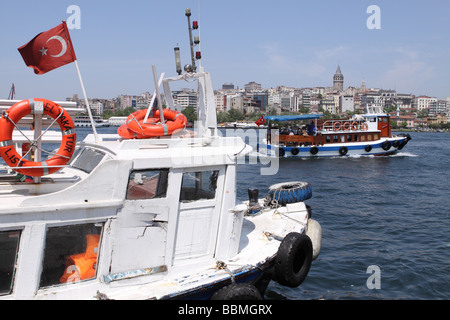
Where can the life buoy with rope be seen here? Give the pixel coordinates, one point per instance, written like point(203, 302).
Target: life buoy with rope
point(346, 126)
point(293, 259)
point(355, 125)
point(36, 106)
point(364, 127)
point(135, 126)
point(337, 126)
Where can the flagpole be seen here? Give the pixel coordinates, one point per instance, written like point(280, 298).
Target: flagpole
point(87, 102)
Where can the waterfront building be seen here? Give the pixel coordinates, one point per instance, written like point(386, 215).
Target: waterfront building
point(252, 86)
point(346, 103)
point(422, 102)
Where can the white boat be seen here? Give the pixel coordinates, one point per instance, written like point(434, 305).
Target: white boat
point(308, 136)
point(85, 122)
point(145, 218)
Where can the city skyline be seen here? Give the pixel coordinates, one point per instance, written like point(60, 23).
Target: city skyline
point(284, 43)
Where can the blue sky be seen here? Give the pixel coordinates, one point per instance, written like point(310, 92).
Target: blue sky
point(293, 43)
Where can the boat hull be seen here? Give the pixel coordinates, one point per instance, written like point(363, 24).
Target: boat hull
point(258, 276)
point(380, 147)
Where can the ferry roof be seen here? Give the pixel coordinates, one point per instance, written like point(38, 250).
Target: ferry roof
point(294, 117)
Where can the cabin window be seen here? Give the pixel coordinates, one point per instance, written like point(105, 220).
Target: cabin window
point(199, 185)
point(147, 184)
point(355, 137)
point(349, 138)
point(328, 139)
point(342, 138)
point(369, 137)
point(363, 138)
point(375, 137)
point(335, 138)
point(9, 244)
point(87, 159)
point(71, 254)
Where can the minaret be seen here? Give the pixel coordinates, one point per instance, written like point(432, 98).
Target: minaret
point(338, 80)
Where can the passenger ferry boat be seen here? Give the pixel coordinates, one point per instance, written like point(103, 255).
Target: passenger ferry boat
point(85, 122)
point(140, 214)
point(366, 134)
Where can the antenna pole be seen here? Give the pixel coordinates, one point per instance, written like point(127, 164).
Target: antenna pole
point(188, 15)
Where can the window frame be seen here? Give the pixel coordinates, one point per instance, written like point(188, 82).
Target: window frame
point(57, 283)
point(16, 258)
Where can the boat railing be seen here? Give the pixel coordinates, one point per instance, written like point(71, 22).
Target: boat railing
point(344, 125)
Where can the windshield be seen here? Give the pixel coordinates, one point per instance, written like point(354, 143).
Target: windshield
point(87, 159)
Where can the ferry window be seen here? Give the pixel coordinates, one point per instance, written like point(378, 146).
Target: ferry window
point(87, 159)
point(328, 139)
point(9, 243)
point(355, 137)
point(342, 138)
point(363, 138)
point(375, 137)
point(147, 184)
point(71, 254)
point(349, 138)
point(335, 138)
point(369, 137)
point(199, 185)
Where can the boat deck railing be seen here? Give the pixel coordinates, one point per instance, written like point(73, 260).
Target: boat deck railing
point(344, 125)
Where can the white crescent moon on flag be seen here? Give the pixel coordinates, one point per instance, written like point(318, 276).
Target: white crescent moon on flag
point(63, 44)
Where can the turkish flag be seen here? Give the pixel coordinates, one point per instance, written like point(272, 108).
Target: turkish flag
point(49, 50)
point(260, 121)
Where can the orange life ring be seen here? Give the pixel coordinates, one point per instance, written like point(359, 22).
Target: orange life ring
point(364, 127)
point(355, 125)
point(346, 126)
point(136, 128)
point(337, 126)
point(19, 163)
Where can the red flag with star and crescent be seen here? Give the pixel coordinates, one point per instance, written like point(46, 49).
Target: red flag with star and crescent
point(49, 50)
point(260, 121)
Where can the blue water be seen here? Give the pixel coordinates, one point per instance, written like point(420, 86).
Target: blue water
point(389, 212)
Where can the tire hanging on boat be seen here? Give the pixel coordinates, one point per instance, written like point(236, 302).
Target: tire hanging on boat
point(281, 152)
point(289, 192)
point(386, 145)
point(343, 151)
point(37, 106)
point(293, 259)
point(314, 150)
point(237, 291)
point(402, 144)
point(295, 151)
point(368, 148)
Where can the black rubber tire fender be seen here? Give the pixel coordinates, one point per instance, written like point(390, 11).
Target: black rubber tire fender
point(293, 259)
point(237, 291)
